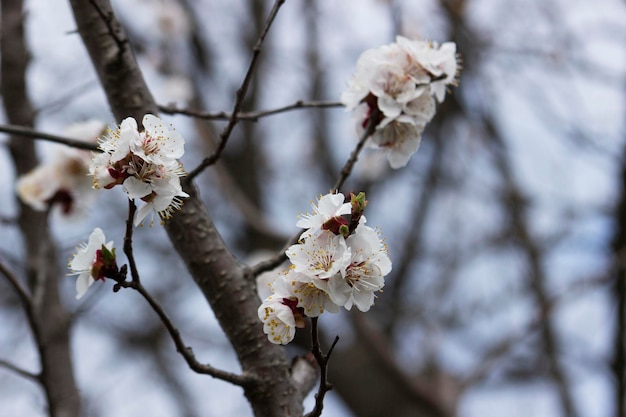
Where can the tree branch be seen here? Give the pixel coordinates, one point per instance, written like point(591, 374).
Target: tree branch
point(241, 94)
point(128, 242)
point(27, 132)
point(20, 289)
point(349, 165)
point(280, 257)
point(322, 360)
point(135, 283)
point(248, 116)
point(185, 351)
point(19, 371)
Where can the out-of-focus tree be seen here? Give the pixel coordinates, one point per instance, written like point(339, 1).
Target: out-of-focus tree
point(506, 230)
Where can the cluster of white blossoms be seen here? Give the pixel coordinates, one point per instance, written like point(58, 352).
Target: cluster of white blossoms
point(144, 163)
point(338, 262)
point(93, 261)
point(395, 87)
point(62, 181)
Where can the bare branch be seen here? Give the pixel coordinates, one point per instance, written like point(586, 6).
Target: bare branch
point(274, 261)
point(135, 283)
point(249, 116)
point(241, 94)
point(34, 134)
point(185, 351)
point(255, 218)
point(7, 220)
point(280, 257)
point(19, 288)
point(347, 168)
point(322, 360)
point(128, 242)
point(19, 371)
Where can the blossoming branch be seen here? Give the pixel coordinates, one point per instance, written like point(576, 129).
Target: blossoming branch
point(395, 87)
point(338, 262)
point(145, 163)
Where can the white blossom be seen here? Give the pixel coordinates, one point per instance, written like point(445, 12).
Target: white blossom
point(117, 142)
point(62, 180)
point(84, 263)
point(365, 274)
point(145, 163)
point(101, 170)
point(328, 207)
point(88, 131)
point(338, 262)
point(320, 256)
point(310, 297)
point(439, 60)
point(37, 188)
point(157, 144)
point(161, 195)
point(279, 321)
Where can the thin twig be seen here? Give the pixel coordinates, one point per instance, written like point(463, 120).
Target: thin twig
point(19, 371)
point(135, 283)
point(27, 304)
point(67, 96)
point(241, 94)
point(187, 352)
point(21, 290)
point(34, 134)
point(248, 116)
point(128, 242)
point(322, 361)
point(274, 261)
point(7, 220)
point(347, 168)
point(280, 257)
